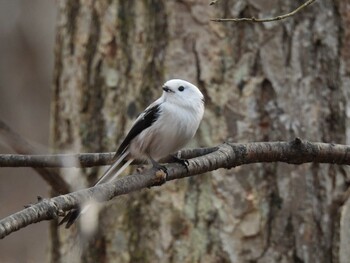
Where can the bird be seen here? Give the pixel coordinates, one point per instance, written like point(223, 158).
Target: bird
point(163, 128)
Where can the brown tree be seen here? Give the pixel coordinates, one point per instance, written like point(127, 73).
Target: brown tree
point(263, 82)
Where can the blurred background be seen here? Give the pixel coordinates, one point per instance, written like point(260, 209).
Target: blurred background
point(27, 34)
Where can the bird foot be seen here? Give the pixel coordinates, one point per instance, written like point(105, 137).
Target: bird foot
point(184, 162)
point(158, 166)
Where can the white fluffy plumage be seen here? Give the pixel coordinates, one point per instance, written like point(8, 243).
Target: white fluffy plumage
point(163, 128)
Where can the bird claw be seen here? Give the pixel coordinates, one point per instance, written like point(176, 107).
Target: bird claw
point(161, 168)
point(158, 166)
point(184, 162)
point(181, 161)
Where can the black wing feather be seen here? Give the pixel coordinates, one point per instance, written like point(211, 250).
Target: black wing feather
point(149, 117)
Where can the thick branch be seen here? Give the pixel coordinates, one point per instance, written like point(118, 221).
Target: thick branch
point(224, 156)
point(20, 145)
point(261, 20)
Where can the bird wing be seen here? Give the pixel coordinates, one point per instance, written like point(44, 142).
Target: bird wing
point(145, 120)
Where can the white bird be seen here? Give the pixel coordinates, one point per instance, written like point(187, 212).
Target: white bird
point(163, 128)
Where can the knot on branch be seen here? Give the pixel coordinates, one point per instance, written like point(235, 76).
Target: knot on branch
point(160, 177)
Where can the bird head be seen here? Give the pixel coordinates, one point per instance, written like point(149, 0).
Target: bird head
point(182, 92)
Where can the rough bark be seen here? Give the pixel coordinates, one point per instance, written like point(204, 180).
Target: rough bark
point(263, 82)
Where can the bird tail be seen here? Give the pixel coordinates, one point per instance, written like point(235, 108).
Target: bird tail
point(114, 168)
point(111, 174)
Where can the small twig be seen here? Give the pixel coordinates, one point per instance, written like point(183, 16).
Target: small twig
point(261, 20)
point(227, 155)
point(20, 145)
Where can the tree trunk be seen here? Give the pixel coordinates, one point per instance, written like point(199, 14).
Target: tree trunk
point(262, 82)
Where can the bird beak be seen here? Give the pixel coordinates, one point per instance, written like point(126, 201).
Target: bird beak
point(166, 89)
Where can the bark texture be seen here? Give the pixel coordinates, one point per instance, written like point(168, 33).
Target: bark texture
point(263, 82)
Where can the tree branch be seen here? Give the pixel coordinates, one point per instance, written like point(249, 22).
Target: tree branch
point(56, 160)
point(261, 20)
point(227, 155)
point(20, 145)
point(79, 160)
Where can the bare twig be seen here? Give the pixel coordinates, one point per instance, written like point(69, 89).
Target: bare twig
point(261, 20)
point(78, 160)
point(56, 160)
point(225, 156)
point(20, 145)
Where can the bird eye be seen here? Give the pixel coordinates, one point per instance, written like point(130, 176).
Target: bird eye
point(181, 88)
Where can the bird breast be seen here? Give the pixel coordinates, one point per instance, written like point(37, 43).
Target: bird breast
point(170, 132)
